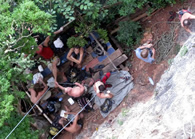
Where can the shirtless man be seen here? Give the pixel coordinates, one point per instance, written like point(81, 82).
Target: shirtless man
point(73, 127)
point(99, 88)
point(38, 90)
point(185, 19)
point(76, 91)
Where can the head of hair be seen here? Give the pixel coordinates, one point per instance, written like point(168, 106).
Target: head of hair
point(102, 88)
point(38, 87)
point(144, 53)
point(186, 22)
point(77, 46)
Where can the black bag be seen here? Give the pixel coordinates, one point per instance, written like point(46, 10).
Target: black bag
point(106, 106)
point(53, 106)
point(82, 101)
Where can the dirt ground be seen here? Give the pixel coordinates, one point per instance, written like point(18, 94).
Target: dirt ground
point(140, 71)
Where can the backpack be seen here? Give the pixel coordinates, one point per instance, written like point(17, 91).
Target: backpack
point(82, 101)
point(53, 105)
point(98, 49)
point(106, 106)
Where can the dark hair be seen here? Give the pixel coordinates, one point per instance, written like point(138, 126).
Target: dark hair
point(144, 53)
point(102, 88)
point(38, 88)
point(186, 22)
point(77, 46)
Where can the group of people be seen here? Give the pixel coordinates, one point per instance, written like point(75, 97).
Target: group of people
point(75, 56)
point(146, 52)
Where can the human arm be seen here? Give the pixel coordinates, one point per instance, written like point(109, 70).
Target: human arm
point(69, 54)
point(59, 31)
point(71, 58)
point(61, 87)
point(45, 86)
point(191, 16)
point(78, 84)
point(187, 29)
point(33, 97)
point(146, 46)
point(107, 95)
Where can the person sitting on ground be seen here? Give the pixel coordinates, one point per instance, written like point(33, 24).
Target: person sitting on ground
point(185, 19)
point(75, 126)
point(75, 55)
point(100, 87)
point(146, 52)
point(44, 49)
point(38, 90)
point(75, 91)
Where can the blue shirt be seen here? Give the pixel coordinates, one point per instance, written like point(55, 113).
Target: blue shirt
point(149, 59)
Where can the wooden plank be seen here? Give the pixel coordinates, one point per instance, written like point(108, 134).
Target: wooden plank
point(110, 67)
point(92, 63)
point(87, 59)
point(113, 56)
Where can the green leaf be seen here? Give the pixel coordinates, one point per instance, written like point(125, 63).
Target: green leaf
point(81, 7)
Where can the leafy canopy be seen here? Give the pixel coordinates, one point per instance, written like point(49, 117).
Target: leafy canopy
point(19, 20)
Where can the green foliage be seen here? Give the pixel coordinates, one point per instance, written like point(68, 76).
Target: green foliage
point(126, 7)
point(76, 41)
point(84, 29)
point(161, 3)
point(103, 34)
point(170, 61)
point(92, 10)
point(183, 51)
point(23, 131)
point(120, 122)
point(19, 19)
point(19, 23)
point(129, 33)
point(124, 112)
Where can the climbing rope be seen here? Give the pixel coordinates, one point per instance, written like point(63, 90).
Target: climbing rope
point(74, 117)
point(27, 113)
point(166, 42)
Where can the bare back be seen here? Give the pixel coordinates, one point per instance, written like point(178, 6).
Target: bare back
point(76, 91)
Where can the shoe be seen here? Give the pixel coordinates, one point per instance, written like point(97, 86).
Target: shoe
point(101, 73)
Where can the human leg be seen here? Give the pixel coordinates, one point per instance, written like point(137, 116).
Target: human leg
point(55, 62)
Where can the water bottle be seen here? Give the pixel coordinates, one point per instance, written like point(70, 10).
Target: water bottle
point(60, 99)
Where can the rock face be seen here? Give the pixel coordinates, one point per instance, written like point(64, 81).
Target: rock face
point(169, 114)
